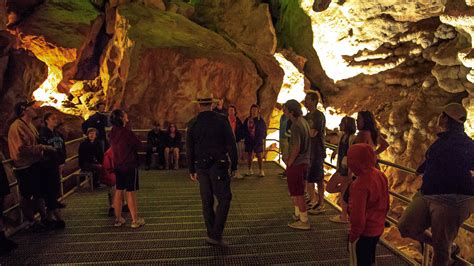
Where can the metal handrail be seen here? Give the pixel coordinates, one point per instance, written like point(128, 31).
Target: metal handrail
point(64, 179)
point(405, 199)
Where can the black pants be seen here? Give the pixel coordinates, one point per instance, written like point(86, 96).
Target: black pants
point(50, 185)
point(215, 182)
point(365, 250)
point(149, 154)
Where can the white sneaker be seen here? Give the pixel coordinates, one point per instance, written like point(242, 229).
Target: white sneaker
point(299, 225)
point(249, 172)
point(261, 174)
point(138, 223)
point(119, 222)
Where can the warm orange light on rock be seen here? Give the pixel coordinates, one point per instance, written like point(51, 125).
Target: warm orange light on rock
point(55, 58)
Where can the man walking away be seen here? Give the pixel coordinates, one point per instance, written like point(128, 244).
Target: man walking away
point(210, 143)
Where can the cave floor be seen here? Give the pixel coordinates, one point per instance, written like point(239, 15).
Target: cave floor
point(174, 232)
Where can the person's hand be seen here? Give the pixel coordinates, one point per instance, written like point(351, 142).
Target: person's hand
point(48, 148)
point(193, 177)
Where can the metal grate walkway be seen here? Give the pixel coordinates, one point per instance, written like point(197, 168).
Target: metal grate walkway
point(174, 233)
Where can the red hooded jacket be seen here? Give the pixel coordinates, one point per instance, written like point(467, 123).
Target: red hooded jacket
point(368, 200)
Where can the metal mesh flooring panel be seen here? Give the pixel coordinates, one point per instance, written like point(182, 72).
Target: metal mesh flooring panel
point(175, 233)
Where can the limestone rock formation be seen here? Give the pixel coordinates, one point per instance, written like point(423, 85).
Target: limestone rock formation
point(166, 60)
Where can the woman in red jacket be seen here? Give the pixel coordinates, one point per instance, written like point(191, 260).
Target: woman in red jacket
point(368, 204)
point(125, 144)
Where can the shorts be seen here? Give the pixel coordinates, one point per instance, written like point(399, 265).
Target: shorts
point(252, 146)
point(316, 171)
point(29, 181)
point(126, 178)
point(295, 178)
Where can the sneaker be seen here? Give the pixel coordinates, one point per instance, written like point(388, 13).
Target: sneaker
point(111, 212)
point(317, 210)
point(249, 172)
point(261, 174)
point(238, 176)
point(294, 217)
point(138, 223)
point(337, 219)
point(119, 222)
point(299, 225)
point(125, 208)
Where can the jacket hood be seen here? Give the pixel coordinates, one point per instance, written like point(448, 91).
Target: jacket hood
point(361, 158)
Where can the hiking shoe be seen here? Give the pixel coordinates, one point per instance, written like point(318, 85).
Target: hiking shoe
point(220, 243)
point(337, 219)
point(138, 223)
point(299, 225)
point(119, 222)
point(317, 210)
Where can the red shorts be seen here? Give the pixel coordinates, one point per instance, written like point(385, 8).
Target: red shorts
point(295, 178)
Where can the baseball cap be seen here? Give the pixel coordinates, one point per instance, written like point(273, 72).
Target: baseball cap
point(20, 107)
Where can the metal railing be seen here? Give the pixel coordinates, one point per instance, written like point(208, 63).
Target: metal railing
point(62, 196)
point(404, 199)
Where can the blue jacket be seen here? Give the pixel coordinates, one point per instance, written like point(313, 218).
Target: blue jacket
point(448, 163)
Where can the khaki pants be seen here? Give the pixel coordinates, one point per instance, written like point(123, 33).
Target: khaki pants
point(443, 213)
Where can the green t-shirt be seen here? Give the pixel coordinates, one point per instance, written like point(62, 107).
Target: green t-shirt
point(300, 137)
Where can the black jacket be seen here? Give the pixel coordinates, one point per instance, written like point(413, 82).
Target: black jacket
point(210, 134)
point(155, 139)
point(98, 121)
point(90, 153)
point(172, 142)
point(55, 139)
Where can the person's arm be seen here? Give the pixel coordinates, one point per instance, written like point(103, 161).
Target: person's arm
point(383, 145)
point(295, 146)
point(231, 145)
point(357, 206)
point(190, 153)
point(16, 137)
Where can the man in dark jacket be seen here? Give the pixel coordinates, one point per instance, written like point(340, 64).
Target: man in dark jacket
point(99, 121)
point(210, 143)
point(155, 143)
point(446, 197)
